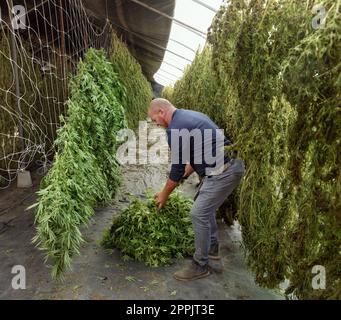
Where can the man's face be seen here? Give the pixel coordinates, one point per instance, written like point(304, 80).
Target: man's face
point(158, 117)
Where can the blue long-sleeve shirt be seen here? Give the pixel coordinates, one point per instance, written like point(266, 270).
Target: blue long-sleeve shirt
point(200, 144)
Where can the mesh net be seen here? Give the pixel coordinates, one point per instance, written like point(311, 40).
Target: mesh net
point(40, 45)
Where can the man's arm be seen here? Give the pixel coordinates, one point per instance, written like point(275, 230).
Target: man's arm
point(178, 172)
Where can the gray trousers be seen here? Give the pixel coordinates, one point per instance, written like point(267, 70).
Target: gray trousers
point(212, 194)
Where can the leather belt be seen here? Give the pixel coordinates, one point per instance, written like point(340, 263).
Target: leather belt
point(227, 165)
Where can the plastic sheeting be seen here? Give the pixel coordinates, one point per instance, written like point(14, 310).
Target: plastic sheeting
point(144, 31)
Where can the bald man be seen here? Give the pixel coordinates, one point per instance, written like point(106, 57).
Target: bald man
point(217, 184)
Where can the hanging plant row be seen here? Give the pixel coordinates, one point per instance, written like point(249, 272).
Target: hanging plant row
point(273, 79)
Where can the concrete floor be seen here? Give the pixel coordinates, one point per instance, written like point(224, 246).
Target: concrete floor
point(96, 274)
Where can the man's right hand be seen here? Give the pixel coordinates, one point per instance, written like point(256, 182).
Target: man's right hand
point(160, 200)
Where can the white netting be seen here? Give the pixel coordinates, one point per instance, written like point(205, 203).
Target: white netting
point(40, 45)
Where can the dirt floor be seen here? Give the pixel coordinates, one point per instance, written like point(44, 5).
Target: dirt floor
point(96, 274)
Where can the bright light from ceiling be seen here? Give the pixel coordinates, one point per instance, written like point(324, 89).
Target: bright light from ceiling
point(197, 16)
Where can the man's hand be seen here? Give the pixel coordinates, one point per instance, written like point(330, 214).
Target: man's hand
point(188, 171)
point(161, 199)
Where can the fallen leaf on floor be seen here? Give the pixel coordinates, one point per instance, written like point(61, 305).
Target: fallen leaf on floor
point(130, 278)
point(173, 293)
point(145, 289)
point(76, 287)
point(109, 251)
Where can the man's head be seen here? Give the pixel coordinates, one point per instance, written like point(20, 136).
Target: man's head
point(161, 112)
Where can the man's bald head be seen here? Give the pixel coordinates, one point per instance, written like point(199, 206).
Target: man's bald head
point(160, 103)
point(161, 111)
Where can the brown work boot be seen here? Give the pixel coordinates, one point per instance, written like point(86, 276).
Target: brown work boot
point(192, 272)
point(214, 252)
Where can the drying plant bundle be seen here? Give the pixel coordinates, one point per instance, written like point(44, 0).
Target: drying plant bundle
point(154, 237)
point(85, 171)
point(278, 85)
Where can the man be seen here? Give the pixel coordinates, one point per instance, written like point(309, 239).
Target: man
point(217, 184)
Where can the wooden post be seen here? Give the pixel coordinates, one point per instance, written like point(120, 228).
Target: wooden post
point(62, 44)
point(16, 77)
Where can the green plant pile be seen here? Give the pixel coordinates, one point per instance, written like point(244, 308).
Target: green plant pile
point(138, 89)
point(144, 234)
point(278, 85)
point(85, 172)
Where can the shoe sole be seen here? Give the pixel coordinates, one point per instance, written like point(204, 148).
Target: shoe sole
point(214, 257)
point(195, 278)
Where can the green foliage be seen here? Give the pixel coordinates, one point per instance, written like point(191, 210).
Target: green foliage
point(144, 234)
point(85, 171)
point(43, 96)
point(197, 89)
point(7, 123)
point(167, 93)
point(278, 81)
point(39, 111)
point(138, 89)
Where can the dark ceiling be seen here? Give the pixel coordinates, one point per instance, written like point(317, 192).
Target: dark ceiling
point(145, 32)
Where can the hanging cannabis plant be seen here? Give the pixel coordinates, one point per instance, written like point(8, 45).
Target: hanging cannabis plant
point(139, 91)
point(85, 171)
point(278, 87)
